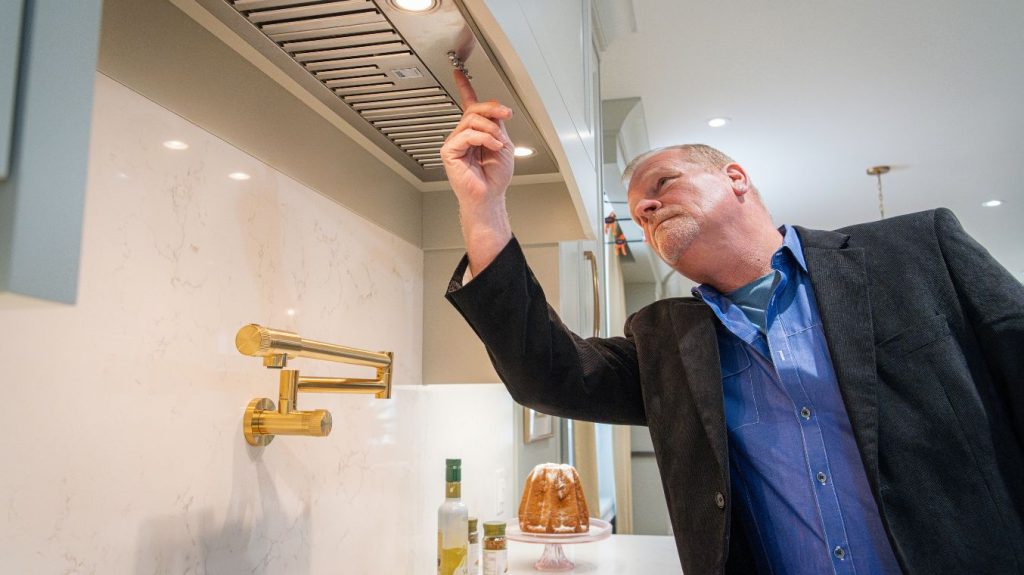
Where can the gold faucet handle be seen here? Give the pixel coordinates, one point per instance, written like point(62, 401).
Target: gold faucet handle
point(262, 422)
point(315, 423)
point(256, 340)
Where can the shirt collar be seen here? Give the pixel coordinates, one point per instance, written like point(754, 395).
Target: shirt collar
point(790, 244)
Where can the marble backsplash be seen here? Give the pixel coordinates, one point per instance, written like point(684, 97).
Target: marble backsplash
point(122, 448)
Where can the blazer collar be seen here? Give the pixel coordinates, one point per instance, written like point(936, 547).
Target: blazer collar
point(821, 238)
point(839, 277)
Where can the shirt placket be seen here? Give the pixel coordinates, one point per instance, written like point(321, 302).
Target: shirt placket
point(818, 471)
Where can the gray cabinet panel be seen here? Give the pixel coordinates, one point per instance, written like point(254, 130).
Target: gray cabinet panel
point(42, 199)
point(10, 40)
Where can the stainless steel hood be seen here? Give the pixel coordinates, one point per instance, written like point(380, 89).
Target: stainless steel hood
point(384, 71)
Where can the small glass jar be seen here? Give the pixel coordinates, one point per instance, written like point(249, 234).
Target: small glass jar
point(473, 560)
point(495, 548)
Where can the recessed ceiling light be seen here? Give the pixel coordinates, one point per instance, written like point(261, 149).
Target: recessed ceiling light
point(240, 176)
point(414, 5)
point(718, 122)
point(992, 203)
point(290, 312)
point(175, 145)
point(523, 152)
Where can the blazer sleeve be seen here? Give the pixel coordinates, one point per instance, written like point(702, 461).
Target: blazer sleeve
point(993, 301)
point(543, 364)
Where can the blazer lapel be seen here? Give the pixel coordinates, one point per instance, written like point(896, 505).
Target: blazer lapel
point(839, 277)
point(698, 350)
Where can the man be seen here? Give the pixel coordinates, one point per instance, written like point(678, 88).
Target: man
point(848, 402)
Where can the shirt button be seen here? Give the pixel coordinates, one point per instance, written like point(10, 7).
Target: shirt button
point(839, 552)
point(805, 412)
point(822, 478)
point(720, 500)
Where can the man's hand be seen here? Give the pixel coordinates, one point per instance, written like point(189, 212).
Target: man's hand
point(478, 158)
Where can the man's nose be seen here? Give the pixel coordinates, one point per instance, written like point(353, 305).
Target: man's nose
point(646, 207)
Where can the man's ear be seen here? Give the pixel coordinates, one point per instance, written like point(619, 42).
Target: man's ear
point(738, 177)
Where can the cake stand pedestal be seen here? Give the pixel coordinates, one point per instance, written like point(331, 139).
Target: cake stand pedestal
point(553, 558)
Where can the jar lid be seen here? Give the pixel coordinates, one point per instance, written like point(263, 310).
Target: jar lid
point(472, 524)
point(494, 528)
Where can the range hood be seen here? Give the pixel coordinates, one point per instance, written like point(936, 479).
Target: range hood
point(383, 71)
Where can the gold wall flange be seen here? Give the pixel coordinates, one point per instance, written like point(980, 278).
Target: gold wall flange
point(255, 411)
point(262, 421)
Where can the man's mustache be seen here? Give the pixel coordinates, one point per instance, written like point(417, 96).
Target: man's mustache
point(666, 213)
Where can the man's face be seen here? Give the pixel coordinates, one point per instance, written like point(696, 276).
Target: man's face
point(674, 200)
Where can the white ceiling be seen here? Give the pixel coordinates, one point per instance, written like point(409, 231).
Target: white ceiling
point(819, 91)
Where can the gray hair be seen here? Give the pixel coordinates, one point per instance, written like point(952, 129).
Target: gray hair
point(708, 157)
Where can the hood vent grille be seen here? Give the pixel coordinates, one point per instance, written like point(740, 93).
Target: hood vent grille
point(383, 71)
point(354, 51)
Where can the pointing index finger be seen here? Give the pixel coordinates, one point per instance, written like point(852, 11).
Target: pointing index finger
point(467, 95)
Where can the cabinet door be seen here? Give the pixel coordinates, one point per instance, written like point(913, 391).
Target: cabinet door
point(10, 51)
point(551, 41)
point(562, 30)
point(42, 199)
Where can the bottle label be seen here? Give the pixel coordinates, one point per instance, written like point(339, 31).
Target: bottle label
point(474, 559)
point(495, 562)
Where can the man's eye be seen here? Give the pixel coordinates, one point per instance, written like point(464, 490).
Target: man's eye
point(663, 181)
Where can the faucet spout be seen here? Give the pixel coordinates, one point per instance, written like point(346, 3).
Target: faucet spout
point(379, 387)
point(262, 421)
point(259, 341)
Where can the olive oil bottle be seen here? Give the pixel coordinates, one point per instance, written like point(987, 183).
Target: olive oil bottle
point(452, 524)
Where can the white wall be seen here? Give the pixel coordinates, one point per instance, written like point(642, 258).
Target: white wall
point(122, 443)
point(639, 295)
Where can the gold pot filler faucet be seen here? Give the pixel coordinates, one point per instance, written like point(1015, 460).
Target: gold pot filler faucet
point(262, 422)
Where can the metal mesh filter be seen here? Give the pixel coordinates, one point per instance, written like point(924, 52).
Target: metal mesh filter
point(352, 48)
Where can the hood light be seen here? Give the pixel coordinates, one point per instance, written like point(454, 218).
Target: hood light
point(414, 5)
point(175, 145)
point(523, 152)
point(240, 176)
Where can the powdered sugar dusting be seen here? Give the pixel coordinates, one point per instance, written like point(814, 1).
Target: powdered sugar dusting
point(553, 501)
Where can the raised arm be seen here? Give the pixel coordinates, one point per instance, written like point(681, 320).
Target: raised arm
point(543, 364)
point(478, 159)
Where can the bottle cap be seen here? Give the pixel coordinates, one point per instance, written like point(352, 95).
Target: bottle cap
point(494, 528)
point(472, 524)
point(452, 470)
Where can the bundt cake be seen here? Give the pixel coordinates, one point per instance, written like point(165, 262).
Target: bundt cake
point(553, 501)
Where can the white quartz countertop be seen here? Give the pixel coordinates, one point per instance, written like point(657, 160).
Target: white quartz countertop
point(618, 555)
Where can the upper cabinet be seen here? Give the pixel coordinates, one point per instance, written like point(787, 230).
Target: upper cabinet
point(547, 49)
point(562, 32)
point(47, 70)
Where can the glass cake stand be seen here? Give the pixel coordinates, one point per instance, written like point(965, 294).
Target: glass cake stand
point(553, 558)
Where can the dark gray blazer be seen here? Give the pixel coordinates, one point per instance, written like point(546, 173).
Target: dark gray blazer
point(926, 333)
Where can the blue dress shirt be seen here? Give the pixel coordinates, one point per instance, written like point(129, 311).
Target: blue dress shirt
point(795, 469)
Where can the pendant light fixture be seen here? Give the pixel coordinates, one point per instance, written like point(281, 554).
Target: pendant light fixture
point(877, 171)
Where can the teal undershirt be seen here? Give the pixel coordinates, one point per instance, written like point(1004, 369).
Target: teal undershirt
point(752, 299)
